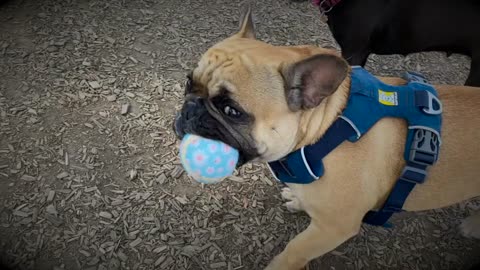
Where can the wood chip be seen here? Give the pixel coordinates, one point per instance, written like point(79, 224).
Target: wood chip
point(166, 263)
point(51, 210)
point(122, 256)
point(218, 265)
point(159, 260)
point(161, 179)
point(106, 215)
point(51, 195)
point(94, 84)
point(110, 40)
point(117, 202)
point(135, 242)
point(160, 249)
point(177, 172)
point(132, 174)
point(90, 189)
point(133, 59)
point(111, 98)
point(85, 253)
point(20, 213)
point(125, 109)
point(182, 200)
point(28, 178)
point(62, 175)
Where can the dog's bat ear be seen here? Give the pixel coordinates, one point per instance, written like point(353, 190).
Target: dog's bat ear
point(309, 81)
point(247, 27)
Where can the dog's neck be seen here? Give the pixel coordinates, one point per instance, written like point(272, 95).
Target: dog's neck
point(315, 122)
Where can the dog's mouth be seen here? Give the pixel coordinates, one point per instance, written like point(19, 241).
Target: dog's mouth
point(200, 118)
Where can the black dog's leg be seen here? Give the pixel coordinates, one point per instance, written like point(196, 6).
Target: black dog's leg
point(474, 75)
point(357, 58)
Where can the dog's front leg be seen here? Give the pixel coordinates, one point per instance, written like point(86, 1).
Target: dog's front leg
point(318, 239)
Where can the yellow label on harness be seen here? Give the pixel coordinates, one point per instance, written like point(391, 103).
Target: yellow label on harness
point(387, 98)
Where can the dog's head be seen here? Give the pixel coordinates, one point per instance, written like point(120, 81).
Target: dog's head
point(261, 99)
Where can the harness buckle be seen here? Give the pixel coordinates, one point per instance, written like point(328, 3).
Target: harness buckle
point(425, 147)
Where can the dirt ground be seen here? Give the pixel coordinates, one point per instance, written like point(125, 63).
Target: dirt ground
point(89, 175)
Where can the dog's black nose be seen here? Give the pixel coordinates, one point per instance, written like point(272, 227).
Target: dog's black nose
point(177, 126)
point(187, 117)
point(190, 108)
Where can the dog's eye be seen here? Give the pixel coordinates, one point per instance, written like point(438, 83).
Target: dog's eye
point(231, 111)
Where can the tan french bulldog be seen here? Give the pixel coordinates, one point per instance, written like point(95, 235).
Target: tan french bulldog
point(268, 101)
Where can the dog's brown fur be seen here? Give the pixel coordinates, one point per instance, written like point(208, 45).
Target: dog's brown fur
point(358, 176)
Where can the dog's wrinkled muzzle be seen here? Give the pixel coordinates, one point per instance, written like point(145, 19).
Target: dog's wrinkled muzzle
point(196, 118)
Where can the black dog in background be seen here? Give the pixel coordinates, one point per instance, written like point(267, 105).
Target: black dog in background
point(362, 27)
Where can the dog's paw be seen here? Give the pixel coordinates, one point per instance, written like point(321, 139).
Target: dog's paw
point(280, 263)
point(276, 264)
point(287, 194)
point(470, 226)
point(292, 204)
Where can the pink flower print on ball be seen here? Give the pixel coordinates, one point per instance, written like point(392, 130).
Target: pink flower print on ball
point(195, 141)
point(213, 148)
point(226, 149)
point(199, 158)
point(207, 161)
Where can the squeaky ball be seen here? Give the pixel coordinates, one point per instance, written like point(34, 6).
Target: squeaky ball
point(207, 161)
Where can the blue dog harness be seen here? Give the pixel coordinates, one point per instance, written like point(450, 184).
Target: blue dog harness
point(371, 100)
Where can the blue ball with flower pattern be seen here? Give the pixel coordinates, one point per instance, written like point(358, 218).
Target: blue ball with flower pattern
point(207, 161)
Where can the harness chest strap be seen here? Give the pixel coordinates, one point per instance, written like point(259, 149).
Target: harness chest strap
point(369, 101)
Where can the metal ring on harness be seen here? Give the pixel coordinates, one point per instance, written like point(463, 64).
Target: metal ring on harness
point(430, 109)
point(322, 10)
